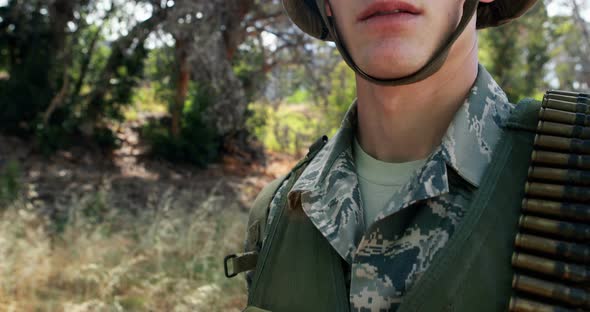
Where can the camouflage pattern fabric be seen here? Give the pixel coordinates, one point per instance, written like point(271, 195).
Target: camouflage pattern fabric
point(385, 263)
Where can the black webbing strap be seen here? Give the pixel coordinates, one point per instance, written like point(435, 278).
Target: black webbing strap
point(239, 263)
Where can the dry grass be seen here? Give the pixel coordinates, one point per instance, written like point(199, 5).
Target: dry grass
point(165, 259)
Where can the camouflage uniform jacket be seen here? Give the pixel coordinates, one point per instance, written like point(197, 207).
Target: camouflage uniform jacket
point(383, 264)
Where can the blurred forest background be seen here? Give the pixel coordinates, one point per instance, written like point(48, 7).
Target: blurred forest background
point(134, 135)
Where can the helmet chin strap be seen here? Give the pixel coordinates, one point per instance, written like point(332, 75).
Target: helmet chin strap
point(431, 67)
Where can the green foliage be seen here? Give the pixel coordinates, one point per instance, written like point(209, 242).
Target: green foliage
point(565, 72)
point(24, 39)
point(9, 182)
point(160, 66)
point(341, 96)
point(51, 138)
point(197, 144)
point(42, 64)
point(92, 210)
point(145, 100)
point(289, 129)
point(293, 127)
point(571, 48)
point(133, 303)
point(516, 54)
point(247, 65)
point(105, 138)
point(300, 95)
point(96, 209)
point(127, 76)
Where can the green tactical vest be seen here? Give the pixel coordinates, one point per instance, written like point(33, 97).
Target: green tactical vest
point(298, 270)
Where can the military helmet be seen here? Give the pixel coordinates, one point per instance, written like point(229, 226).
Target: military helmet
point(311, 17)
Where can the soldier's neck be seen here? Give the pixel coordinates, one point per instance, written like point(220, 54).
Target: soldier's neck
point(405, 123)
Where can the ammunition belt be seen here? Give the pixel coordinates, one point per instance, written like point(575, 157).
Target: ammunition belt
point(552, 255)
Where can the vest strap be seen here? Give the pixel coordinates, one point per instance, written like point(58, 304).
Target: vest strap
point(240, 263)
point(255, 309)
point(244, 262)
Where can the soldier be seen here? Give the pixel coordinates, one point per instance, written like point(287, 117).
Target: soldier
point(413, 204)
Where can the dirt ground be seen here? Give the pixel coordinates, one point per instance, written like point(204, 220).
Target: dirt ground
point(133, 178)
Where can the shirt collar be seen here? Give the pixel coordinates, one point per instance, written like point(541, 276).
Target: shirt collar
point(466, 147)
point(472, 136)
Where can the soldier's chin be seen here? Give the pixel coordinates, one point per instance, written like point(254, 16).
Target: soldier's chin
point(391, 71)
point(392, 66)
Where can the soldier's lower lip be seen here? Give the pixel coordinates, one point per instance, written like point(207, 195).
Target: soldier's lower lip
point(390, 21)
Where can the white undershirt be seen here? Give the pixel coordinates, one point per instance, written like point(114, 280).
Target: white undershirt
point(378, 180)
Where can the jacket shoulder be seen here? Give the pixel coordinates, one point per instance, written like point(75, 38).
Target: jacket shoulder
point(259, 213)
point(525, 115)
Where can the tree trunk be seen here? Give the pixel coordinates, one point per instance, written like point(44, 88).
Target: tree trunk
point(235, 33)
point(59, 99)
point(214, 49)
point(61, 12)
point(181, 86)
